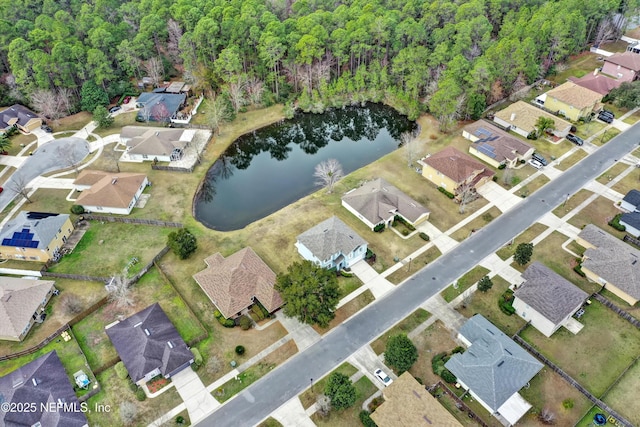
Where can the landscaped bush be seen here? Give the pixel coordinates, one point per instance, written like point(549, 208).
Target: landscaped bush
point(217, 314)
point(405, 232)
point(179, 420)
point(615, 223)
point(502, 166)
point(578, 269)
point(227, 323)
point(505, 302)
point(77, 209)
point(346, 273)
point(404, 222)
point(494, 179)
point(377, 401)
point(379, 228)
point(121, 371)
point(140, 395)
point(132, 386)
point(245, 322)
point(240, 350)
point(197, 357)
point(458, 349)
point(448, 376)
point(365, 419)
point(446, 193)
point(567, 403)
point(424, 236)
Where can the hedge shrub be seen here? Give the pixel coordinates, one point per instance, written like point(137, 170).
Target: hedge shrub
point(502, 166)
point(578, 269)
point(245, 322)
point(379, 228)
point(615, 223)
point(140, 395)
point(346, 273)
point(424, 236)
point(121, 371)
point(197, 357)
point(77, 209)
point(365, 419)
point(227, 323)
point(446, 193)
point(240, 350)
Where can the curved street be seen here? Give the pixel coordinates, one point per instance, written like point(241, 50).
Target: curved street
point(256, 402)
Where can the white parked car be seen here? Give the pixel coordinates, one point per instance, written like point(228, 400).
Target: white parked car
point(536, 164)
point(386, 380)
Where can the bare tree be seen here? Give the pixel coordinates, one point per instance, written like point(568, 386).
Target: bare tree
point(119, 291)
point(173, 45)
point(328, 173)
point(466, 193)
point(607, 30)
point(323, 403)
point(236, 92)
point(410, 145)
point(467, 297)
point(128, 412)
point(65, 100)
point(47, 103)
point(213, 365)
point(71, 303)
point(155, 70)
point(547, 417)
point(19, 186)
point(507, 176)
point(255, 89)
point(217, 112)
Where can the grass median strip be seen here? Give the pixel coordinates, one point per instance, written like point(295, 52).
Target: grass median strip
point(405, 326)
point(464, 283)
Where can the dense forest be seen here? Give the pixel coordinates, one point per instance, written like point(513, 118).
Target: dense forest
point(452, 58)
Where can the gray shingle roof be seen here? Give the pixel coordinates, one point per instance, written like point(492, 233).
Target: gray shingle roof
point(42, 228)
point(330, 237)
point(42, 381)
point(548, 293)
point(632, 219)
point(16, 111)
point(612, 259)
point(496, 143)
point(633, 198)
point(140, 352)
point(377, 200)
point(19, 300)
point(153, 141)
point(494, 367)
point(160, 106)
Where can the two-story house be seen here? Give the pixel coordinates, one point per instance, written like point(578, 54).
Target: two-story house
point(35, 236)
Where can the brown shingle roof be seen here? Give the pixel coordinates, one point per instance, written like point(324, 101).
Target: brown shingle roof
point(501, 145)
point(455, 164)
point(19, 299)
point(597, 83)
point(153, 141)
point(575, 95)
point(407, 403)
point(114, 190)
point(232, 282)
point(627, 60)
point(525, 116)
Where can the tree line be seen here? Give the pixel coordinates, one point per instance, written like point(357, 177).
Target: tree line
point(450, 58)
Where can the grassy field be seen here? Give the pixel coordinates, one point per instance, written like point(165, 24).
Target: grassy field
point(47, 200)
point(571, 160)
point(416, 263)
point(621, 397)
point(451, 406)
point(577, 66)
point(486, 303)
point(255, 372)
point(18, 142)
point(606, 136)
point(104, 242)
point(599, 212)
point(308, 397)
point(348, 417)
point(88, 292)
point(405, 326)
point(611, 173)
point(618, 344)
point(347, 310)
point(150, 289)
point(476, 224)
point(73, 122)
point(632, 119)
point(586, 130)
point(573, 202)
point(464, 283)
point(509, 178)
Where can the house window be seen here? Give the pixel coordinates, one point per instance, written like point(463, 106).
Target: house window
point(98, 208)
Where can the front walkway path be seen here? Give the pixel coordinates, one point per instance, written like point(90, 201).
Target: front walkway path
point(292, 414)
point(303, 335)
point(371, 280)
point(499, 196)
point(198, 401)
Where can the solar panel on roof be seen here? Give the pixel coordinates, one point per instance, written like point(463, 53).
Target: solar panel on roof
point(487, 150)
point(25, 230)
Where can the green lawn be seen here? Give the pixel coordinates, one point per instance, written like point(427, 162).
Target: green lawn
point(571, 160)
point(69, 353)
point(606, 340)
point(101, 251)
point(550, 150)
point(405, 326)
point(573, 202)
point(586, 130)
point(621, 397)
point(486, 303)
point(611, 173)
point(348, 285)
point(464, 283)
point(348, 417)
point(270, 422)
point(150, 289)
point(577, 66)
point(630, 182)
point(346, 311)
point(606, 136)
point(18, 142)
point(632, 119)
point(308, 397)
point(525, 237)
point(48, 200)
point(416, 264)
point(587, 420)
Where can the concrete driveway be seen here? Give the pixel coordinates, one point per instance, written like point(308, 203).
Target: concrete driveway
point(55, 155)
point(197, 399)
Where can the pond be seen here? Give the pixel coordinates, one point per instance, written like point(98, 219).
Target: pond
point(268, 169)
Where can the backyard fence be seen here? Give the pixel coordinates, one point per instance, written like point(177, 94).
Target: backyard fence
point(626, 316)
point(146, 268)
point(131, 220)
point(460, 404)
point(107, 365)
point(619, 418)
point(46, 273)
point(173, 168)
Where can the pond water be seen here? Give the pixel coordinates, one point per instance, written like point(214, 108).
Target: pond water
point(268, 169)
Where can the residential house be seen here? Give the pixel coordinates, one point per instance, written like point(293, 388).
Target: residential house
point(572, 101)
point(546, 299)
point(35, 236)
point(178, 87)
point(21, 117)
point(634, 47)
point(160, 144)
point(610, 262)
point(455, 171)
point(631, 201)
point(331, 244)
point(522, 117)
point(235, 283)
point(105, 192)
point(407, 403)
point(623, 66)
point(22, 302)
point(149, 345)
point(495, 146)
point(159, 106)
point(378, 202)
point(597, 82)
point(41, 386)
point(493, 369)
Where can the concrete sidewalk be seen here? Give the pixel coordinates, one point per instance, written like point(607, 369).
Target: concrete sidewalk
point(303, 335)
point(198, 401)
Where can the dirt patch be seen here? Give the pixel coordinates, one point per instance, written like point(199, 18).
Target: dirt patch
point(435, 339)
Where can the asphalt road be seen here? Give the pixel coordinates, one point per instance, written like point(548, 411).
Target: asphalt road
point(256, 402)
point(54, 155)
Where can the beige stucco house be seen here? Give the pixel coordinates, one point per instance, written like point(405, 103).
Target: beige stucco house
point(495, 146)
point(521, 118)
point(106, 192)
point(35, 236)
point(572, 101)
point(22, 301)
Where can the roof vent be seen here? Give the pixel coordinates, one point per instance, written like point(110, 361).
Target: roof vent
point(634, 262)
point(146, 331)
point(490, 331)
point(513, 116)
point(427, 419)
point(501, 363)
point(508, 352)
point(417, 394)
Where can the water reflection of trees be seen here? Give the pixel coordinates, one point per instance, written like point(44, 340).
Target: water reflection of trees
point(314, 131)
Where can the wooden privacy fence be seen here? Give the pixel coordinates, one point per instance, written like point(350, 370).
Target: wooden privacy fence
point(460, 404)
point(131, 220)
point(173, 168)
point(626, 316)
